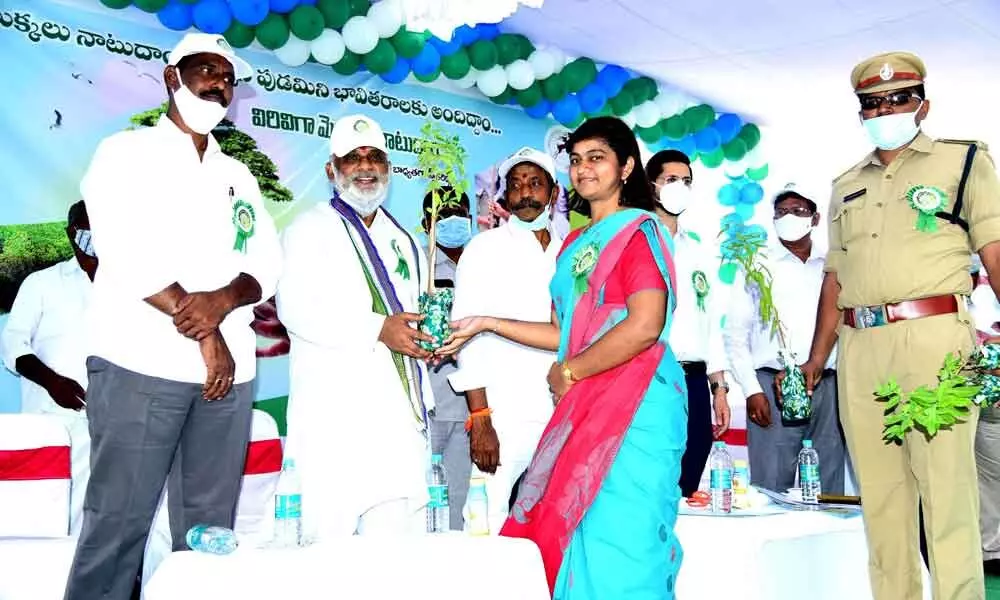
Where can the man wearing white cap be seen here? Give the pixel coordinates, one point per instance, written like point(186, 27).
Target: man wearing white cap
point(357, 411)
point(187, 247)
point(505, 272)
point(796, 265)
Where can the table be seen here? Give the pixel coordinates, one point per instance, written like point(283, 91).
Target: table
point(775, 557)
point(35, 569)
point(440, 567)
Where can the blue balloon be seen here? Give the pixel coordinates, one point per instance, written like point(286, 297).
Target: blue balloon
point(212, 16)
point(687, 145)
point(176, 16)
point(283, 6)
point(755, 233)
point(250, 12)
point(487, 31)
point(539, 111)
point(744, 210)
point(445, 48)
point(398, 72)
point(567, 109)
point(466, 35)
point(427, 62)
point(592, 98)
point(707, 140)
point(728, 125)
point(729, 195)
point(731, 222)
point(612, 78)
point(309, 2)
point(751, 193)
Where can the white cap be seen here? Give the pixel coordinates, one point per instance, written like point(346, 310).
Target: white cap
point(210, 43)
point(527, 155)
point(805, 190)
point(353, 132)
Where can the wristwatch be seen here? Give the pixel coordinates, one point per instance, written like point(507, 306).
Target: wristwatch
point(567, 373)
point(717, 386)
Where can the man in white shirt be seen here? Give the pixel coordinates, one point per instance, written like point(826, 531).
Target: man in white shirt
point(45, 343)
point(505, 272)
point(360, 392)
point(187, 247)
point(696, 337)
point(796, 265)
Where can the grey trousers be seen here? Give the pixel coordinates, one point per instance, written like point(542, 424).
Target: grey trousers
point(141, 429)
point(988, 464)
point(774, 451)
point(450, 440)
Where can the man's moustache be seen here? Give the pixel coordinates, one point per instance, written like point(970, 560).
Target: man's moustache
point(535, 204)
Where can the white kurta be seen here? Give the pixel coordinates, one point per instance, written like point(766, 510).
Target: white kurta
point(351, 430)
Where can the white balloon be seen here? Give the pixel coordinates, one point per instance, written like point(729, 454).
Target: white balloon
point(520, 75)
point(469, 80)
point(559, 58)
point(328, 48)
point(755, 159)
point(735, 169)
point(493, 82)
point(647, 114)
point(668, 102)
point(360, 35)
point(294, 53)
point(542, 63)
point(630, 119)
point(387, 17)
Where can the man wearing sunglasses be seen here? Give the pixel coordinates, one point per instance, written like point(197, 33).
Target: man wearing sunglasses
point(894, 299)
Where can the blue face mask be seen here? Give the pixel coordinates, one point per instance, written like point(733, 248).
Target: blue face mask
point(453, 232)
point(537, 224)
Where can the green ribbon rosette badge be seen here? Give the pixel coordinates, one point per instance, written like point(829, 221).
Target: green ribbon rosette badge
point(402, 267)
point(700, 282)
point(928, 201)
point(584, 262)
point(244, 220)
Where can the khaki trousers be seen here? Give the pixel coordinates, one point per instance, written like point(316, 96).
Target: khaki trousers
point(893, 478)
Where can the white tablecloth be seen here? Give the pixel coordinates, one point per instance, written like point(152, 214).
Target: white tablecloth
point(443, 567)
point(35, 569)
point(776, 557)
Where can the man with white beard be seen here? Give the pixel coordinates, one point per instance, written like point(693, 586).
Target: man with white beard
point(357, 411)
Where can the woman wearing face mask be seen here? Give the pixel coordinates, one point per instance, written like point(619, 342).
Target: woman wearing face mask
point(696, 337)
point(601, 494)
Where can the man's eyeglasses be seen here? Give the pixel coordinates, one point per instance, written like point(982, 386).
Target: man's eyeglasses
point(894, 99)
point(798, 211)
point(376, 157)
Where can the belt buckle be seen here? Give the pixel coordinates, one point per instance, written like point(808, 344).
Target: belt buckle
point(866, 317)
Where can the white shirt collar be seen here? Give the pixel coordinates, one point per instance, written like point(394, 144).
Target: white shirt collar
point(778, 251)
point(520, 233)
point(171, 132)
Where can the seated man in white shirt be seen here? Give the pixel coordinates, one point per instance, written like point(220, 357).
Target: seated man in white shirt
point(505, 272)
point(796, 265)
point(45, 343)
point(360, 391)
point(187, 247)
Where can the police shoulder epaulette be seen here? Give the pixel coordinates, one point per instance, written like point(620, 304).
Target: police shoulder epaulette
point(982, 145)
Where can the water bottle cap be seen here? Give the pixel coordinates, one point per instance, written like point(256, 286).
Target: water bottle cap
point(435, 459)
point(287, 464)
point(807, 443)
point(719, 444)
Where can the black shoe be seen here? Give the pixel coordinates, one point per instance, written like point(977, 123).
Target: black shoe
point(992, 567)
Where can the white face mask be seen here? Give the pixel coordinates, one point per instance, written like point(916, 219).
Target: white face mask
point(200, 115)
point(537, 224)
point(675, 197)
point(889, 132)
point(363, 201)
point(792, 229)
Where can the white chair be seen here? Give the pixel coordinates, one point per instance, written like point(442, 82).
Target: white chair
point(260, 479)
point(34, 476)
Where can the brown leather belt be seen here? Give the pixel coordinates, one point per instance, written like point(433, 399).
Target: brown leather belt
point(866, 317)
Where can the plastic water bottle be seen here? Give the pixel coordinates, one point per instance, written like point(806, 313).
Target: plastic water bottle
point(720, 479)
point(437, 488)
point(288, 507)
point(478, 505)
point(809, 473)
point(211, 539)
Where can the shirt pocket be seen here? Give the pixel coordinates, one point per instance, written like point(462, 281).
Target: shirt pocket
point(849, 216)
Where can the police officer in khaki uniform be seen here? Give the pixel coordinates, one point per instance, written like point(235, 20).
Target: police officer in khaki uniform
point(897, 280)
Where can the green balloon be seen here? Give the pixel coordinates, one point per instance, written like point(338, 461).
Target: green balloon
point(735, 150)
point(577, 122)
point(702, 116)
point(649, 135)
point(622, 103)
point(359, 8)
point(382, 59)
point(751, 135)
point(579, 73)
point(429, 77)
point(407, 43)
point(508, 48)
point(456, 65)
point(727, 272)
point(483, 55)
point(758, 174)
point(604, 111)
point(693, 117)
point(635, 90)
point(272, 33)
point(190, 1)
point(504, 97)
point(150, 6)
point(348, 65)
point(116, 4)
point(675, 127)
point(531, 96)
point(554, 87)
point(649, 87)
point(335, 12)
point(712, 159)
point(526, 47)
point(306, 22)
point(239, 35)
